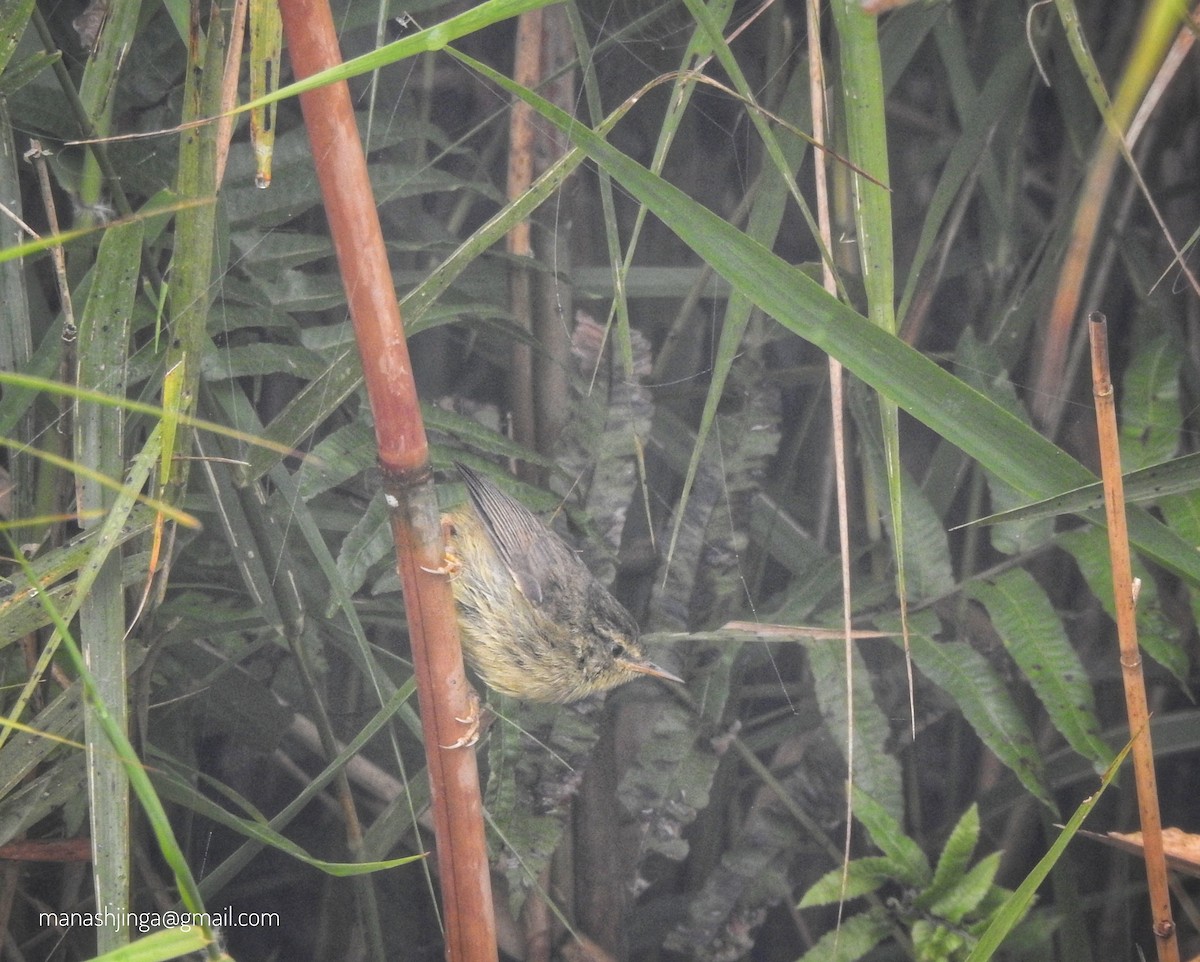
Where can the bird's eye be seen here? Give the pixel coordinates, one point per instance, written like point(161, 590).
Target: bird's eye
point(618, 649)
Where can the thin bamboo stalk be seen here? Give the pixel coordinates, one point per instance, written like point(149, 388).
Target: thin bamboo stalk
point(1125, 605)
point(446, 700)
point(521, 137)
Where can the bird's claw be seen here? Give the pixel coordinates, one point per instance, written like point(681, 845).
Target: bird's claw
point(478, 720)
point(451, 563)
point(450, 566)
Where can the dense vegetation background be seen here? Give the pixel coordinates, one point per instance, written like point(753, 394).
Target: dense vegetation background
point(659, 824)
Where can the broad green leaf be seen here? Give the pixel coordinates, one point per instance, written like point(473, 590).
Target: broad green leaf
point(256, 360)
point(876, 770)
point(339, 456)
point(26, 70)
point(1160, 636)
point(1033, 634)
point(14, 16)
point(366, 544)
point(857, 936)
point(956, 856)
point(969, 891)
point(863, 875)
point(1148, 397)
point(911, 866)
point(1182, 514)
point(669, 781)
point(980, 695)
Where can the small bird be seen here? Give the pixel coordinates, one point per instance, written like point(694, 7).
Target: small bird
point(535, 622)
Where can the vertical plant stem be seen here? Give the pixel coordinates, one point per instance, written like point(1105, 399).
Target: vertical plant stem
point(446, 700)
point(553, 303)
point(1131, 658)
point(837, 406)
point(233, 61)
point(521, 137)
point(195, 230)
point(99, 83)
point(526, 71)
point(16, 336)
point(108, 537)
point(87, 129)
point(103, 343)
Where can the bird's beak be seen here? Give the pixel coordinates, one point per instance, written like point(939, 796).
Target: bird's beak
point(649, 668)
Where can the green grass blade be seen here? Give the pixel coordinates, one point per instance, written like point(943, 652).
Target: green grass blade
point(138, 778)
point(103, 344)
point(1018, 903)
point(996, 438)
point(424, 41)
point(163, 945)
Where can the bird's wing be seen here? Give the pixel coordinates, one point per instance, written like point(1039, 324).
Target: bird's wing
point(536, 558)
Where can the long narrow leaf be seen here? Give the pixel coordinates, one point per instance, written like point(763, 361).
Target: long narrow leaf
point(982, 429)
point(104, 330)
point(1034, 636)
point(1018, 903)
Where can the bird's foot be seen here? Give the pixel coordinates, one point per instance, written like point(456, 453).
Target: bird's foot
point(451, 563)
point(479, 719)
